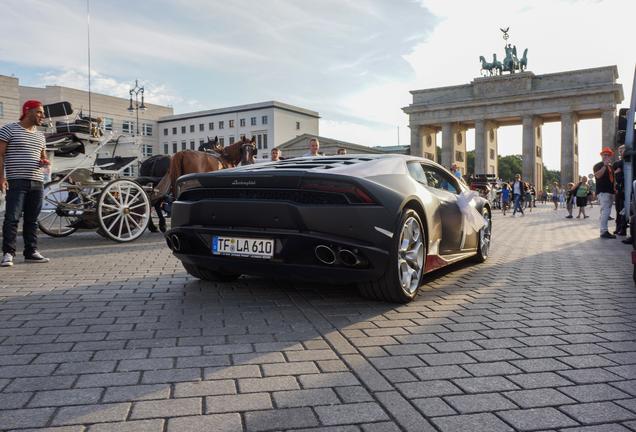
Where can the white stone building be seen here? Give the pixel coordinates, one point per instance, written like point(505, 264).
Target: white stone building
point(272, 123)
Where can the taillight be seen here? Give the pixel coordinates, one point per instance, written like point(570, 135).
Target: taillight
point(354, 194)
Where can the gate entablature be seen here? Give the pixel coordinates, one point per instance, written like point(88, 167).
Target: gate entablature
point(517, 99)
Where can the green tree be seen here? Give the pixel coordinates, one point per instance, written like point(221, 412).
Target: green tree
point(550, 176)
point(470, 163)
point(509, 166)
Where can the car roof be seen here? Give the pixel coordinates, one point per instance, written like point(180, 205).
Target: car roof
point(359, 165)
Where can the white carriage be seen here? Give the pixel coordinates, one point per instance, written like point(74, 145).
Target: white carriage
point(87, 189)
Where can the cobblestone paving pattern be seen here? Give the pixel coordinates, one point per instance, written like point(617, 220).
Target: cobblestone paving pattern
point(117, 337)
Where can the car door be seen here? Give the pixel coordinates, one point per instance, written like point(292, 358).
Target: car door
point(446, 188)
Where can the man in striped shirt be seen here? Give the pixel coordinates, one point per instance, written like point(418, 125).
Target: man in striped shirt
point(22, 154)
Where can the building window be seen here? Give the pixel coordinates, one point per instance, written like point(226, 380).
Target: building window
point(166, 148)
point(201, 127)
point(264, 119)
point(231, 140)
point(183, 129)
point(492, 154)
point(191, 128)
point(242, 137)
point(200, 142)
point(253, 121)
point(259, 141)
point(127, 127)
point(174, 131)
point(231, 123)
point(242, 122)
point(538, 151)
point(459, 156)
point(221, 142)
point(174, 147)
point(221, 124)
point(146, 129)
point(108, 123)
point(165, 131)
point(211, 126)
point(146, 150)
point(183, 145)
point(265, 141)
point(191, 144)
point(297, 125)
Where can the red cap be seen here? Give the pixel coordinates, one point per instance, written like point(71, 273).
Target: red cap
point(29, 105)
point(607, 151)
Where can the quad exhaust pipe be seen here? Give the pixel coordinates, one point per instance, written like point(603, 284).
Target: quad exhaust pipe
point(174, 243)
point(325, 254)
point(330, 256)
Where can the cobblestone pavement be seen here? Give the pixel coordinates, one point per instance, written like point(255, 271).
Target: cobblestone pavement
point(114, 337)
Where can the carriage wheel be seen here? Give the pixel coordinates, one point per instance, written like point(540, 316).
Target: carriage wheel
point(123, 210)
point(57, 217)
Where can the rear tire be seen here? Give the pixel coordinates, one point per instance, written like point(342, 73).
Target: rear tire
point(210, 275)
point(401, 281)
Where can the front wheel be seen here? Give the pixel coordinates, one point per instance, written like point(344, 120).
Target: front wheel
point(401, 280)
point(484, 238)
point(209, 275)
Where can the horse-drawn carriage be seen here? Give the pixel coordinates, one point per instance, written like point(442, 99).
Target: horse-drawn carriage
point(87, 188)
point(100, 197)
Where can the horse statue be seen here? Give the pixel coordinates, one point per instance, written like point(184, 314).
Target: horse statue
point(493, 68)
point(511, 62)
point(523, 63)
point(190, 161)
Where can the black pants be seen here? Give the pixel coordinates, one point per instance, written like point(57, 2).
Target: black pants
point(619, 204)
point(23, 196)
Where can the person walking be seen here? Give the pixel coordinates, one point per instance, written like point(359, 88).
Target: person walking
point(604, 175)
point(518, 192)
point(505, 197)
point(555, 195)
point(619, 197)
point(570, 197)
point(582, 191)
point(22, 155)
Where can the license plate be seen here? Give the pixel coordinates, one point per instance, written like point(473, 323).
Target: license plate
point(243, 247)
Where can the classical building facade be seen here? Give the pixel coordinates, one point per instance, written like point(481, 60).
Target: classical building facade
point(517, 99)
point(298, 146)
point(271, 123)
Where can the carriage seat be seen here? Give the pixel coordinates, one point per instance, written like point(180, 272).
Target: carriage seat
point(144, 180)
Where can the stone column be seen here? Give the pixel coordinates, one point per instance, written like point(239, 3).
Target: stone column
point(569, 148)
point(481, 147)
point(532, 170)
point(609, 129)
point(459, 147)
point(448, 149)
point(416, 141)
point(429, 141)
point(492, 148)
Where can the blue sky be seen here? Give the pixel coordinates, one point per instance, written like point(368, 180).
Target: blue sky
point(353, 61)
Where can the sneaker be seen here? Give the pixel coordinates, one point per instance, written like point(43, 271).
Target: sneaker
point(569, 217)
point(36, 257)
point(7, 260)
point(607, 234)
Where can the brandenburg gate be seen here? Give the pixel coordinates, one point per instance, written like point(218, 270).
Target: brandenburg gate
point(521, 98)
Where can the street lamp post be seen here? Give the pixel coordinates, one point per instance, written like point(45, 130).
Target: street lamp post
point(137, 90)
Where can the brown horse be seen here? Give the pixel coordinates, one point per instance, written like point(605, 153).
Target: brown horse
point(189, 161)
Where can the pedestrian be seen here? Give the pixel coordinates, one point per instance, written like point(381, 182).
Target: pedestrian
point(314, 147)
point(505, 197)
point(582, 191)
point(528, 196)
point(604, 175)
point(592, 184)
point(276, 155)
point(569, 205)
point(619, 198)
point(518, 192)
point(341, 151)
point(22, 156)
point(555, 195)
point(456, 171)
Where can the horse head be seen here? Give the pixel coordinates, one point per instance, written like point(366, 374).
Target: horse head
point(211, 145)
point(241, 152)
